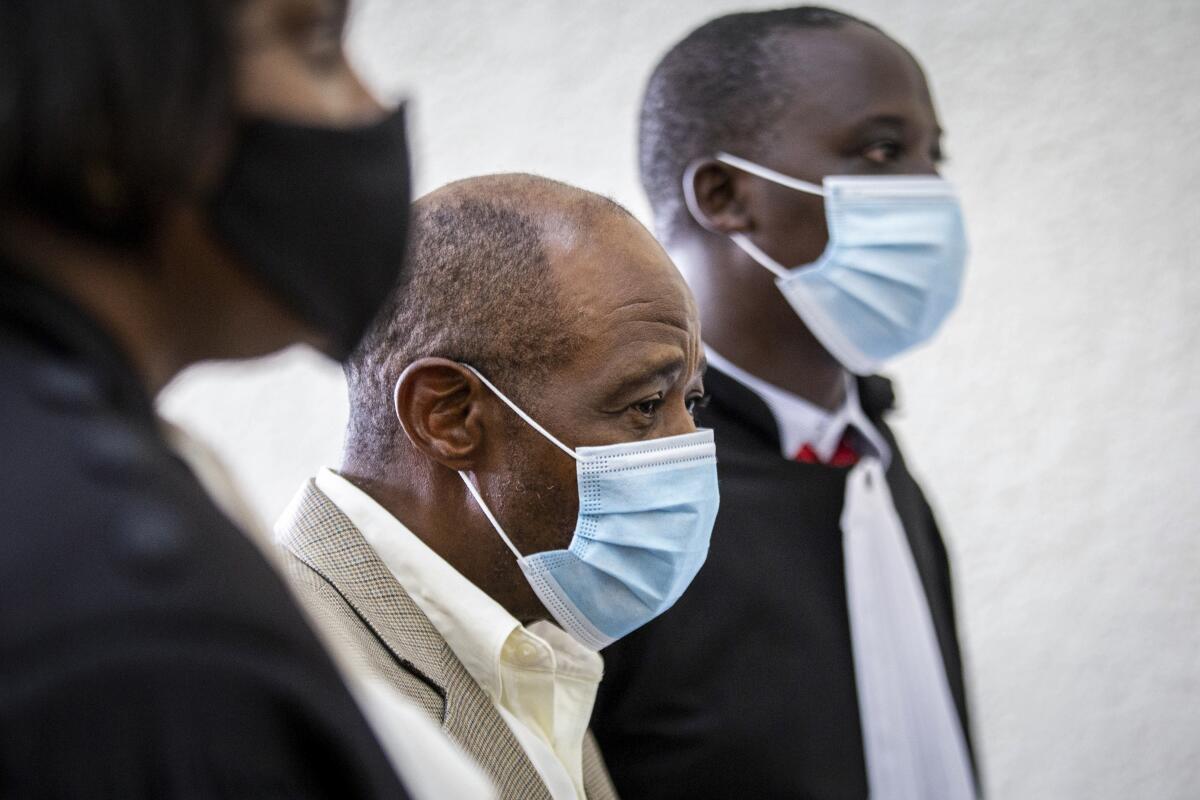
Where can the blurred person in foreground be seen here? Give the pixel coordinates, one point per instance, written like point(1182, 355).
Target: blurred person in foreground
point(180, 180)
point(522, 482)
point(791, 160)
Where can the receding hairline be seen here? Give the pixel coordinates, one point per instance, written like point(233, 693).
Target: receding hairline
point(567, 216)
point(520, 191)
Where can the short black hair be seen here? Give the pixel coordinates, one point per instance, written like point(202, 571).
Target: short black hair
point(107, 106)
point(477, 287)
point(719, 88)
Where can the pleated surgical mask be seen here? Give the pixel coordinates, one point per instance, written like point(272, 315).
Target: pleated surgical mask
point(891, 272)
point(646, 512)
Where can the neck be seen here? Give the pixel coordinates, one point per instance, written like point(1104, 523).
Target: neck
point(746, 319)
point(440, 512)
point(116, 288)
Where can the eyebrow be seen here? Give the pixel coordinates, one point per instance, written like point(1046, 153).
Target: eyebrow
point(895, 121)
point(667, 369)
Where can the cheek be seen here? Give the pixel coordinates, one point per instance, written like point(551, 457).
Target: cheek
point(279, 82)
point(541, 500)
point(223, 292)
point(793, 227)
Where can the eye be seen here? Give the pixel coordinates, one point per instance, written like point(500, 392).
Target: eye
point(884, 151)
point(324, 43)
point(316, 30)
point(696, 403)
point(648, 407)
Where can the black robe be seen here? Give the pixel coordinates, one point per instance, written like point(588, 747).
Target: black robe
point(746, 687)
point(147, 649)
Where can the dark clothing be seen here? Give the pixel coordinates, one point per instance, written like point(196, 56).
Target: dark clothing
point(746, 687)
point(147, 649)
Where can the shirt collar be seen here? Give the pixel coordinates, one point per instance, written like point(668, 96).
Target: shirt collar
point(478, 630)
point(801, 422)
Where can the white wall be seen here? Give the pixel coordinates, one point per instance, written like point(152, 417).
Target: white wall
point(1053, 423)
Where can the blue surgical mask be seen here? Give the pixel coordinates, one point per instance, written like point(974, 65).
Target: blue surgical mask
point(646, 512)
point(891, 273)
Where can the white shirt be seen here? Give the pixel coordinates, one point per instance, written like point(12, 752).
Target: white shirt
point(913, 741)
point(541, 681)
point(803, 423)
point(430, 765)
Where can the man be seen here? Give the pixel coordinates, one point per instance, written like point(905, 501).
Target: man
point(816, 655)
point(166, 196)
point(520, 448)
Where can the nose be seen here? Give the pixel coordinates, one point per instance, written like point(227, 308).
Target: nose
point(681, 421)
point(362, 105)
point(922, 165)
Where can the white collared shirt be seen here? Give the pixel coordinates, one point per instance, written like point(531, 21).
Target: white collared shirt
point(542, 682)
point(430, 766)
point(913, 740)
point(803, 423)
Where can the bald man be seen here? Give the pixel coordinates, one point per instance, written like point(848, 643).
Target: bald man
point(522, 482)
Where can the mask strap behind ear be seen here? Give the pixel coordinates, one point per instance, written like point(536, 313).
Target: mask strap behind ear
point(487, 512)
point(770, 174)
point(517, 410)
point(757, 253)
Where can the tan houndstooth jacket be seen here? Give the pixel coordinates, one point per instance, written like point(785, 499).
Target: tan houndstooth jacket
point(356, 600)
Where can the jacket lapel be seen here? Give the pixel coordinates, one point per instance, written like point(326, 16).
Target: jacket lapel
point(596, 780)
point(317, 532)
point(320, 535)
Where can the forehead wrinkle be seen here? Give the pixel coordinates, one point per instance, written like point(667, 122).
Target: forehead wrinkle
point(656, 311)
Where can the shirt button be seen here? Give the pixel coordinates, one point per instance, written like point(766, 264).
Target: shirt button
point(523, 652)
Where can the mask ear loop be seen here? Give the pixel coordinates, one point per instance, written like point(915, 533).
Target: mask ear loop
point(517, 410)
point(487, 512)
point(689, 197)
point(474, 490)
point(759, 255)
point(471, 487)
point(740, 239)
point(770, 175)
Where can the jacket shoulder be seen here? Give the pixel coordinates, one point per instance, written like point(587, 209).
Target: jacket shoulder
point(96, 501)
point(137, 614)
point(353, 639)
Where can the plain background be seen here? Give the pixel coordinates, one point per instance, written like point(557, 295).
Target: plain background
point(1055, 420)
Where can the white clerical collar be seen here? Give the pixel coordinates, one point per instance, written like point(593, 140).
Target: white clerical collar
point(801, 422)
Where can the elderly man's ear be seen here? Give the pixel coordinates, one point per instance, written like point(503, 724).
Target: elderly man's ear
point(437, 402)
point(714, 193)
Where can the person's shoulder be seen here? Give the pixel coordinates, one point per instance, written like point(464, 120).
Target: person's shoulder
point(102, 524)
point(138, 619)
point(158, 719)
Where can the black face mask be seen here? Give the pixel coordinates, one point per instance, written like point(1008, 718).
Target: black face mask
point(320, 214)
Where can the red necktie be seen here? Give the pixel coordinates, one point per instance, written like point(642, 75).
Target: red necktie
point(844, 456)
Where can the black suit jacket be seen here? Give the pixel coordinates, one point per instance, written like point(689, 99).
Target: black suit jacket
point(746, 687)
point(146, 647)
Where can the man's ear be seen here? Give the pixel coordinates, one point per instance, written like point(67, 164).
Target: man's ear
point(713, 193)
point(438, 404)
